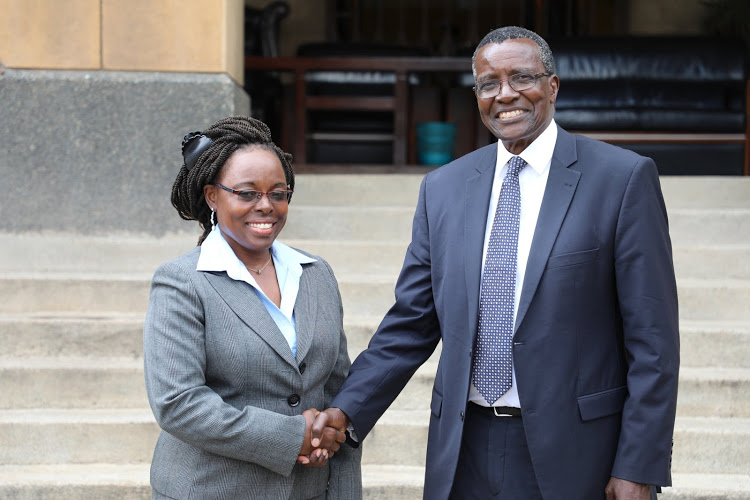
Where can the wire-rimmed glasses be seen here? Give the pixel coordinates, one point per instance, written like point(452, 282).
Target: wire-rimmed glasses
point(253, 196)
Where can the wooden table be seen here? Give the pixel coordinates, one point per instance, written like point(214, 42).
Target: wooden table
point(398, 103)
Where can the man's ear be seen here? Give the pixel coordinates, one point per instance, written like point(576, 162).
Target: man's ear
point(554, 83)
point(209, 192)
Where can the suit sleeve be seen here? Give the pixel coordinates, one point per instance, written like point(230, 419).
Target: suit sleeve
point(647, 296)
point(184, 406)
point(345, 482)
point(405, 339)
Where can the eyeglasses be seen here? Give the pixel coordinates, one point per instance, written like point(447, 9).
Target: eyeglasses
point(276, 197)
point(518, 82)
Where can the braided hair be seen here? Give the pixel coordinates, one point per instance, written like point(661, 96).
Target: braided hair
point(224, 138)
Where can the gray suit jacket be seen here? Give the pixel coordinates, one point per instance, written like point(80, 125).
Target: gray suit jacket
point(228, 394)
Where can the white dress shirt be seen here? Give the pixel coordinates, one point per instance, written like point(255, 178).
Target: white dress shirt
point(216, 255)
point(533, 181)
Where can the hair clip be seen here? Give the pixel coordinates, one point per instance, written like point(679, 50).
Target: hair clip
point(192, 148)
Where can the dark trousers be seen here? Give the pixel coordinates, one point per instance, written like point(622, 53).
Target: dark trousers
point(494, 462)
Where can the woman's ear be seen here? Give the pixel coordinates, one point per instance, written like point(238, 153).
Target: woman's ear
point(209, 192)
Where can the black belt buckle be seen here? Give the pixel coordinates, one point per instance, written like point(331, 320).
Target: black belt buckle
point(506, 411)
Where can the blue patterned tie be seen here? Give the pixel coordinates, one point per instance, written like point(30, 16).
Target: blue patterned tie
point(493, 363)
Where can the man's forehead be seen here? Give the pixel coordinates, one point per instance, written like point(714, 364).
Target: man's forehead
point(520, 54)
point(513, 44)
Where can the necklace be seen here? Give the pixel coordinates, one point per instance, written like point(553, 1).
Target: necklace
point(264, 266)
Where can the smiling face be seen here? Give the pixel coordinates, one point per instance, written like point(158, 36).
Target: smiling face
point(516, 118)
point(250, 229)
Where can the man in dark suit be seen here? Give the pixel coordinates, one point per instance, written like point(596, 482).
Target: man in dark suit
point(544, 264)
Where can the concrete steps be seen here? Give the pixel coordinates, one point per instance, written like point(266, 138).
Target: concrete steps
point(58, 382)
point(366, 295)
point(95, 383)
point(722, 390)
point(114, 481)
point(687, 225)
point(77, 436)
point(130, 482)
point(381, 482)
point(706, 343)
point(75, 423)
point(116, 435)
point(383, 257)
point(702, 444)
point(28, 335)
point(712, 445)
point(52, 335)
point(707, 262)
point(700, 486)
point(402, 476)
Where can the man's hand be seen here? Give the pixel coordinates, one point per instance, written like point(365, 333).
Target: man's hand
point(621, 489)
point(331, 418)
point(329, 442)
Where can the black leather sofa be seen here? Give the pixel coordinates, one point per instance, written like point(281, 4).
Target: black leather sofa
point(681, 101)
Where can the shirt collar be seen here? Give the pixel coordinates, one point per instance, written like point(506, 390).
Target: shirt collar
point(216, 255)
point(537, 154)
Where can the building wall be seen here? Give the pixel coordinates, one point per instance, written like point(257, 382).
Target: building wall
point(95, 97)
point(132, 35)
point(683, 17)
point(35, 34)
point(200, 35)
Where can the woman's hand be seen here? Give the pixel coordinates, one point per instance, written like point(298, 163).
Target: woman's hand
point(330, 441)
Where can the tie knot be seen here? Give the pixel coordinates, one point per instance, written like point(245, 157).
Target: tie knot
point(515, 165)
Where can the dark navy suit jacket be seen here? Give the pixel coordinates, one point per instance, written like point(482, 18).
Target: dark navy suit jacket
point(596, 348)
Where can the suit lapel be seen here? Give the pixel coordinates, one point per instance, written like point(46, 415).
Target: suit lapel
point(305, 309)
point(244, 301)
point(477, 195)
point(561, 185)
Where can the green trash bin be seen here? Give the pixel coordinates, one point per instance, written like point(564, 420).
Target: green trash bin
point(435, 142)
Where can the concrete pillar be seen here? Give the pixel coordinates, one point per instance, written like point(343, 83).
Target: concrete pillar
point(95, 97)
point(203, 36)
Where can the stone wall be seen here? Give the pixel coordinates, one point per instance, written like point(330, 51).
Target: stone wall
point(96, 152)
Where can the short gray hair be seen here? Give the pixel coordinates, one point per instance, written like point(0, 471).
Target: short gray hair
point(499, 35)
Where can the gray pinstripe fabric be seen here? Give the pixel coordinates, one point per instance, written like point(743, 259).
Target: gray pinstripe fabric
point(218, 375)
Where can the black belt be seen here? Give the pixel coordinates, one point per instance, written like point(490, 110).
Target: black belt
point(496, 411)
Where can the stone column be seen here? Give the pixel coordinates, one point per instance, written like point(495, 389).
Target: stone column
point(95, 96)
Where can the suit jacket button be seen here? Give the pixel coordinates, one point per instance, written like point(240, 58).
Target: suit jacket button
point(461, 415)
point(293, 400)
point(302, 368)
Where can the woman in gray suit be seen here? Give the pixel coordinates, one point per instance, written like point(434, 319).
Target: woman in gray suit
point(243, 333)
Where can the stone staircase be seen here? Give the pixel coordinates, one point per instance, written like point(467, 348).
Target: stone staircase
point(75, 423)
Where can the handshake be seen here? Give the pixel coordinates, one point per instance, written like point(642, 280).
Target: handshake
point(324, 433)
